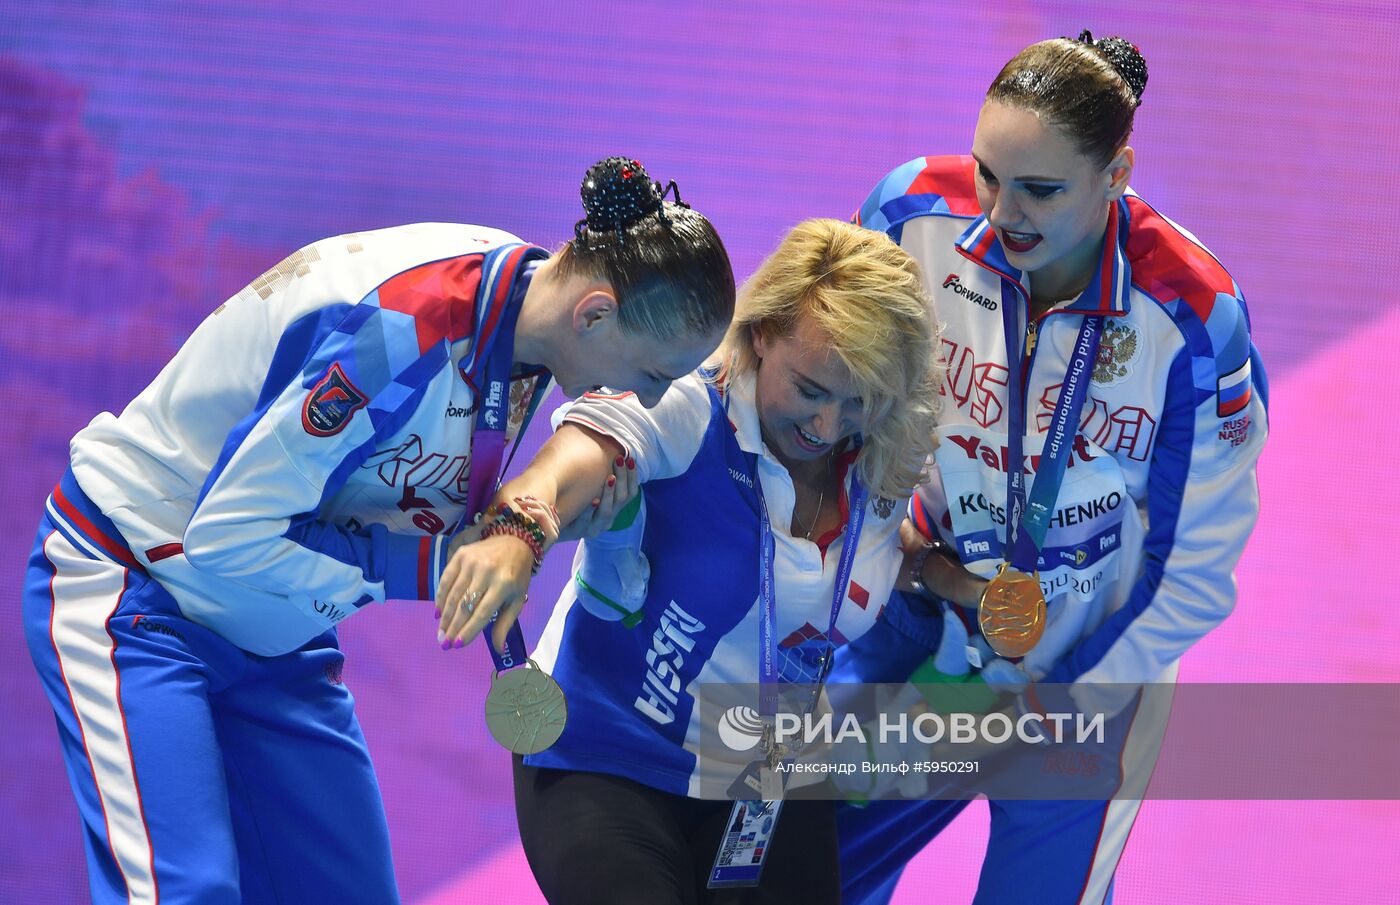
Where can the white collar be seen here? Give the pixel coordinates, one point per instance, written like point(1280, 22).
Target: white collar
point(741, 404)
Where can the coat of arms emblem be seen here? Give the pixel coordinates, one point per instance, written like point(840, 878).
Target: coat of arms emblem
point(1117, 347)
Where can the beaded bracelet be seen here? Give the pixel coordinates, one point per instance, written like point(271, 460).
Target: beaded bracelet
point(496, 510)
point(491, 513)
point(517, 524)
point(528, 524)
point(499, 527)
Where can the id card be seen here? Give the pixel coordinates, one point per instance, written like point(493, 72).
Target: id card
point(744, 845)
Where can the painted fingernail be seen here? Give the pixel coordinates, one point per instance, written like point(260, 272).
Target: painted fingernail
point(442, 636)
point(447, 645)
point(611, 480)
point(460, 642)
point(596, 502)
point(437, 613)
point(618, 463)
point(631, 463)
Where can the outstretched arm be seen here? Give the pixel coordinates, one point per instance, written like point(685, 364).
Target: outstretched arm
point(604, 447)
point(579, 478)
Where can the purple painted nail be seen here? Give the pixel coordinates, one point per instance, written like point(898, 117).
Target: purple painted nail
point(447, 645)
point(460, 642)
point(437, 614)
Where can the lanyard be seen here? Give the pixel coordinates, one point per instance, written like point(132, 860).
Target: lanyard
point(493, 359)
point(768, 652)
point(743, 849)
point(1028, 522)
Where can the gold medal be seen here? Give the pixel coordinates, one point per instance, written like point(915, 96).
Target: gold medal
point(525, 709)
point(1012, 612)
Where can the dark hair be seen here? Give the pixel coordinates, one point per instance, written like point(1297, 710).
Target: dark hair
point(1091, 88)
point(664, 260)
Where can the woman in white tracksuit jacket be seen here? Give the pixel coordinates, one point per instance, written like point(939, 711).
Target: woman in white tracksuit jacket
point(1024, 242)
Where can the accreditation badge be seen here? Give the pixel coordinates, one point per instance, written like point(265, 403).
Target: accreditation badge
point(744, 845)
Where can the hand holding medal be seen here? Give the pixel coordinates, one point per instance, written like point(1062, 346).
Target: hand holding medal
point(486, 578)
point(485, 581)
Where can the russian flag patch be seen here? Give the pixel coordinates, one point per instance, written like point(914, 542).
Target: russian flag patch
point(1232, 391)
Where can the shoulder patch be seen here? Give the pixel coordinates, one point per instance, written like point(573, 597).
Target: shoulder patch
point(1233, 391)
point(1169, 264)
point(331, 403)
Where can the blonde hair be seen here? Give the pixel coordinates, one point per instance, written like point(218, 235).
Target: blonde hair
point(865, 294)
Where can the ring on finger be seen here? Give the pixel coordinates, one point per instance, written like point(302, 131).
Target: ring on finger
point(469, 601)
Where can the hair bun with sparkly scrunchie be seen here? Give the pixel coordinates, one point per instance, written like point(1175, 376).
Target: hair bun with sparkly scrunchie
point(617, 193)
point(1124, 57)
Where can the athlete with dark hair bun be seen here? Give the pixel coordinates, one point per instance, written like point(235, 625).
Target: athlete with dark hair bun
point(313, 448)
point(766, 534)
point(1081, 325)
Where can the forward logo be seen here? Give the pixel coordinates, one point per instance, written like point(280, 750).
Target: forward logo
point(954, 282)
point(147, 625)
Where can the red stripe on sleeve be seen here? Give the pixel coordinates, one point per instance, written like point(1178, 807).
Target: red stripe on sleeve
point(164, 551)
point(921, 522)
point(425, 562)
point(116, 550)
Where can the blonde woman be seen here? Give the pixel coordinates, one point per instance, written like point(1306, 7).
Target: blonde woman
point(819, 407)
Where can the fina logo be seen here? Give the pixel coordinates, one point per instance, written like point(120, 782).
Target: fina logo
point(493, 399)
point(740, 728)
point(1078, 556)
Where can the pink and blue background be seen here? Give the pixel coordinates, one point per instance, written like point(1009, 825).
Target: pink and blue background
point(156, 156)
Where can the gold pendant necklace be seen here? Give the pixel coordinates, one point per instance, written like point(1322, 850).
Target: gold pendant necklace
point(821, 498)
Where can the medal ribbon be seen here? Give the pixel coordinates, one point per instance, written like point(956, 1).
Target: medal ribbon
point(492, 357)
point(1028, 522)
point(768, 653)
